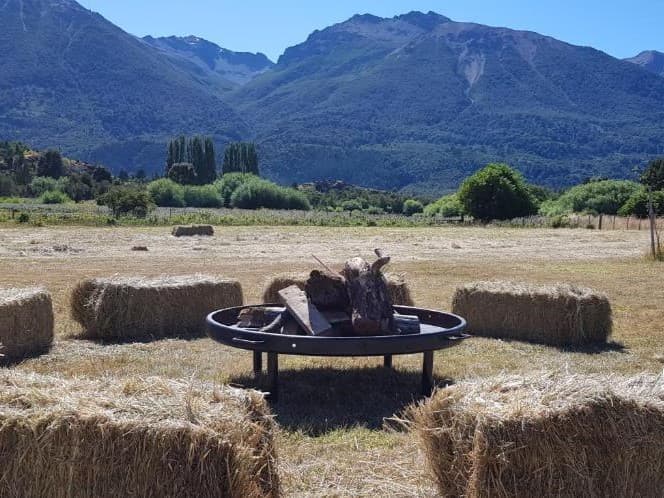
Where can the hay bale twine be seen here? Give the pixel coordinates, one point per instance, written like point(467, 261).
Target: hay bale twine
point(558, 315)
point(545, 435)
point(26, 322)
point(134, 307)
point(396, 285)
point(193, 230)
point(133, 437)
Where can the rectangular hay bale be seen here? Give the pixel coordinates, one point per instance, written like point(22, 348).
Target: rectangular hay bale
point(66, 438)
point(558, 315)
point(547, 435)
point(136, 307)
point(193, 230)
point(26, 322)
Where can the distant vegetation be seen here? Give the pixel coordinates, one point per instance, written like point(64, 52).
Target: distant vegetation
point(192, 179)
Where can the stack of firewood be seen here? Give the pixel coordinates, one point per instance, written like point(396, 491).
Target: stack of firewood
point(353, 302)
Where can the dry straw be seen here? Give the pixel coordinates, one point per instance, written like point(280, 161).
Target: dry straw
point(555, 315)
point(190, 231)
point(546, 435)
point(127, 308)
point(398, 288)
point(149, 437)
point(26, 322)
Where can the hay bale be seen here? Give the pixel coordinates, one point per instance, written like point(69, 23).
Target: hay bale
point(556, 315)
point(190, 231)
point(136, 437)
point(26, 322)
point(134, 307)
point(396, 285)
point(546, 435)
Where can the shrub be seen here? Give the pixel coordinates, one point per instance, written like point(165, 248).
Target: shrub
point(204, 196)
point(126, 200)
point(637, 204)
point(600, 197)
point(374, 210)
point(411, 207)
point(496, 192)
point(54, 197)
point(42, 184)
point(166, 193)
point(229, 183)
point(447, 207)
point(258, 193)
point(23, 218)
point(78, 187)
point(7, 186)
point(351, 205)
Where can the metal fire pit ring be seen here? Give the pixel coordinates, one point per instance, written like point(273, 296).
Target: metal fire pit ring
point(439, 330)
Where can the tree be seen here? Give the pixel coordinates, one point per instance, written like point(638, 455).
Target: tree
point(653, 176)
point(637, 205)
point(412, 206)
point(496, 192)
point(51, 165)
point(126, 200)
point(240, 157)
point(197, 151)
point(140, 175)
point(123, 176)
point(183, 173)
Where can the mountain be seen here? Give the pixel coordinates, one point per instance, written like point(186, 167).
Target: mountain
point(74, 81)
point(414, 102)
point(211, 60)
point(651, 60)
point(419, 101)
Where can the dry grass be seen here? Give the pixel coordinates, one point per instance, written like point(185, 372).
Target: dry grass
point(193, 230)
point(131, 307)
point(136, 437)
point(559, 315)
point(546, 435)
point(331, 410)
point(26, 322)
point(396, 285)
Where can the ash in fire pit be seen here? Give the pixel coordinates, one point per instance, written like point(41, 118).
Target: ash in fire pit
point(353, 302)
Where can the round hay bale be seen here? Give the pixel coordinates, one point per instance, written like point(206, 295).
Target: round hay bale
point(133, 437)
point(26, 322)
point(193, 230)
point(121, 308)
point(558, 315)
point(518, 436)
point(396, 285)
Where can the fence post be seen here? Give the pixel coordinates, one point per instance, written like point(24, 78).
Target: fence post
point(628, 218)
point(614, 222)
point(599, 224)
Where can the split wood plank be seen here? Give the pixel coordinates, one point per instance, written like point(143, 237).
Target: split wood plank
point(306, 314)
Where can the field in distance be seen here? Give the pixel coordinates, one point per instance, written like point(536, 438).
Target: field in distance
point(334, 441)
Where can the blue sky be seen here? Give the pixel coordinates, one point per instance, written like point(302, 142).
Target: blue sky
point(620, 27)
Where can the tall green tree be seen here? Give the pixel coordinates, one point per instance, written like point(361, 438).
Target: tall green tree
point(240, 157)
point(51, 164)
point(197, 151)
point(653, 176)
point(497, 192)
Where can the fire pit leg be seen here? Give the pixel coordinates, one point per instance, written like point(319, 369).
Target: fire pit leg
point(427, 373)
point(387, 361)
point(273, 376)
point(258, 363)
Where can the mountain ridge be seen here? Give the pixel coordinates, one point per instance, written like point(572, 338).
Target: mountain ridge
point(417, 101)
point(650, 60)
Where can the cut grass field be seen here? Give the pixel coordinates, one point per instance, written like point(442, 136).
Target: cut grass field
point(334, 440)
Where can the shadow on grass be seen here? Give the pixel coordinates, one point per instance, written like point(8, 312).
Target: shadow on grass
point(597, 348)
point(315, 401)
point(138, 339)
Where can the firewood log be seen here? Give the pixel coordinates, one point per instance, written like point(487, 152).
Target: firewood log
point(371, 305)
point(327, 291)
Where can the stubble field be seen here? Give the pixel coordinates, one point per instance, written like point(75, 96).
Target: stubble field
point(336, 437)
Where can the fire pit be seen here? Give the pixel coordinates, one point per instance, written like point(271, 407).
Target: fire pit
point(437, 330)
